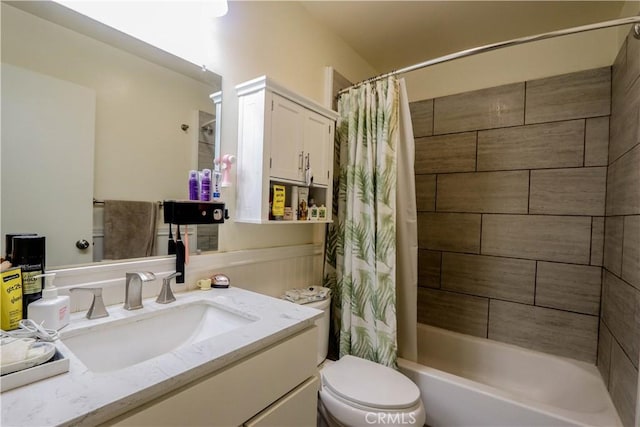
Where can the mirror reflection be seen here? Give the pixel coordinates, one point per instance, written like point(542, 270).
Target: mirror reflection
point(92, 115)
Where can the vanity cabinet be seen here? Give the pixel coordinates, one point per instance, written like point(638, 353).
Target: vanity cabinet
point(275, 387)
point(283, 139)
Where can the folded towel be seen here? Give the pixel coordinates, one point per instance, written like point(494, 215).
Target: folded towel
point(129, 229)
point(307, 295)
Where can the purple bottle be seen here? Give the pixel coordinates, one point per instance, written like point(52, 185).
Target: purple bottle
point(205, 185)
point(193, 185)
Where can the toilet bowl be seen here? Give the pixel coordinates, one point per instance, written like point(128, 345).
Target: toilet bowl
point(358, 392)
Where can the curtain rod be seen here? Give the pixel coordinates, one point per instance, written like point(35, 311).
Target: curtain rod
point(508, 43)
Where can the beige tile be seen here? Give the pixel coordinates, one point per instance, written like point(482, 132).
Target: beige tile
point(449, 232)
point(544, 329)
point(623, 184)
point(483, 192)
point(551, 145)
point(569, 96)
point(481, 109)
point(425, 193)
point(541, 237)
point(447, 153)
point(429, 268)
point(422, 117)
point(631, 250)
point(456, 312)
point(604, 352)
point(503, 278)
point(596, 140)
point(569, 287)
point(574, 191)
point(623, 385)
point(613, 244)
point(621, 313)
point(597, 240)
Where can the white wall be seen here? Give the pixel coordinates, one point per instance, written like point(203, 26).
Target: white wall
point(281, 40)
point(515, 64)
point(520, 63)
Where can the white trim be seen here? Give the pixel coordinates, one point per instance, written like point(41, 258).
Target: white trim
point(328, 87)
point(99, 273)
point(264, 82)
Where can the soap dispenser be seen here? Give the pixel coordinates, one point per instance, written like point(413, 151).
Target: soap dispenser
point(52, 310)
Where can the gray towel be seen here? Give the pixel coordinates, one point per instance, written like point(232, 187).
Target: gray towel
point(129, 229)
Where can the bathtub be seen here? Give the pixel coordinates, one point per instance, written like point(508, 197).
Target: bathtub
point(469, 381)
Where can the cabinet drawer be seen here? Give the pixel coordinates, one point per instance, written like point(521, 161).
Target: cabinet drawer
point(297, 409)
point(236, 393)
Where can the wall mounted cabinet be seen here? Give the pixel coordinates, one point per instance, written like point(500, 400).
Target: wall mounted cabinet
point(283, 139)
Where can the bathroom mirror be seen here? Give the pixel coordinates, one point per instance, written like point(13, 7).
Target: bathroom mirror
point(138, 116)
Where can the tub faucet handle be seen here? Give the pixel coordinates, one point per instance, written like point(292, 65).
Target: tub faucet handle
point(97, 309)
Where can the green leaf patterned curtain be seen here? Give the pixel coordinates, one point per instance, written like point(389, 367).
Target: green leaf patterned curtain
point(360, 264)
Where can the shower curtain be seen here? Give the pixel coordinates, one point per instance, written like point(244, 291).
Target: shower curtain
point(361, 264)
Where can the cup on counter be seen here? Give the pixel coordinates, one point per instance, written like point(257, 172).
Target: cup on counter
point(204, 284)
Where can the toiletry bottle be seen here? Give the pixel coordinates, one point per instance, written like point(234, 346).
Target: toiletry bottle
point(193, 185)
point(52, 310)
point(217, 176)
point(205, 191)
point(28, 253)
point(11, 300)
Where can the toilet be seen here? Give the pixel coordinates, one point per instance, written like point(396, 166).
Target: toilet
point(358, 392)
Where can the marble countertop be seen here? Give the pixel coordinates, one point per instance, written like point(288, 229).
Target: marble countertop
point(83, 397)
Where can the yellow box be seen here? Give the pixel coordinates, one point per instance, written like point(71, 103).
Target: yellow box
point(11, 300)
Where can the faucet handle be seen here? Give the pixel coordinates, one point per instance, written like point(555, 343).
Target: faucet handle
point(97, 309)
point(166, 295)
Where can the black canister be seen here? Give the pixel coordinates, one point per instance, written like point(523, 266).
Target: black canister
point(8, 243)
point(28, 253)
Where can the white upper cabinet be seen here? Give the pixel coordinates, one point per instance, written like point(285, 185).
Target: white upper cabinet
point(284, 139)
point(287, 135)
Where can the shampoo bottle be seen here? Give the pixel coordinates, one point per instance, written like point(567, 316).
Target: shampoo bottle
point(52, 310)
point(205, 190)
point(193, 185)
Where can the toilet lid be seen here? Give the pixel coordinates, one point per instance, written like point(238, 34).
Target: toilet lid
point(370, 384)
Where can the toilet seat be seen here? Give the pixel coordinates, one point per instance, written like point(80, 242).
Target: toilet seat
point(369, 385)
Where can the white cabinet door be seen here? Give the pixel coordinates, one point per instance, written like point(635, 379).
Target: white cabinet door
point(318, 141)
point(297, 409)
point(287, 132)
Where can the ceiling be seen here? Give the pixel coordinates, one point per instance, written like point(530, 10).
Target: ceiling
point(394, 34)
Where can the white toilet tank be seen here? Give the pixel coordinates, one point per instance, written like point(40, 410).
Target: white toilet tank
point(323, 327)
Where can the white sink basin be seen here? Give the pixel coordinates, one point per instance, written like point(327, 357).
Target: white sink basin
point(126, 342)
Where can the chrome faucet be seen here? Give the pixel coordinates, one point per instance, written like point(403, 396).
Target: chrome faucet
point(133, 289)
point(166, 295)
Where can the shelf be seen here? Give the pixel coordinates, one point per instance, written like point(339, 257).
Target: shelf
point(259, 221)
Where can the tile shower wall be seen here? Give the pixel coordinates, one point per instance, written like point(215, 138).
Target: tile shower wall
point(620, 316)
point(511, 186)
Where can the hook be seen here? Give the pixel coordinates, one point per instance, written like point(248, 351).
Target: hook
point(184, 127)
